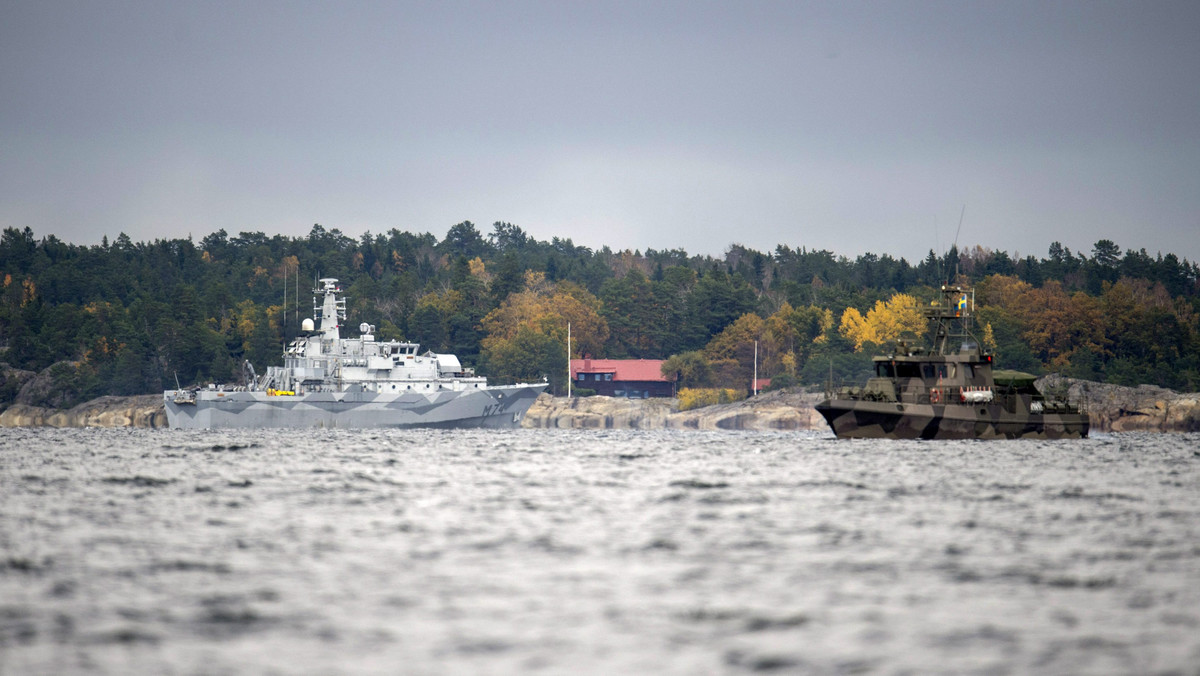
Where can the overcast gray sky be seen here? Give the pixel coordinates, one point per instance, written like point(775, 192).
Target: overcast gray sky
point(846, 126)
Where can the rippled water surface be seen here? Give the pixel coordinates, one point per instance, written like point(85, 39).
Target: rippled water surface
point(535, 551)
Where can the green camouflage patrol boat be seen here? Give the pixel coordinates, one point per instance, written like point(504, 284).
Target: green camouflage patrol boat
point(950, 391)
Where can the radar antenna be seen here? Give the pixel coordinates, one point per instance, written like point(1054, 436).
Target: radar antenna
point(955, 245)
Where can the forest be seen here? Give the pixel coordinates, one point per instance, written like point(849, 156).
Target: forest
point(125, 317)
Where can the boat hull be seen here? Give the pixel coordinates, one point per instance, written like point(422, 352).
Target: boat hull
point(857, 419)
point(491, 407)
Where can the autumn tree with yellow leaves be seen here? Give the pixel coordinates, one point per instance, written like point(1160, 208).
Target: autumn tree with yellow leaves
point(526, 337)
point(896, 319)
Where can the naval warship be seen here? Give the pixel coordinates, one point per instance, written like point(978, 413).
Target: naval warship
point(330, 381)
point(949, 391)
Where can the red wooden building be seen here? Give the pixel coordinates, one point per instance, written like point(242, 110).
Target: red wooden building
point(632, 378)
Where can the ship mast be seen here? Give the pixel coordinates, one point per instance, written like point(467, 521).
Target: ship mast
point(332, 310)
point(951, 320)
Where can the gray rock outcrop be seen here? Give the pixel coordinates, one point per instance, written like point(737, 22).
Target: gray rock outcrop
point(780, 410)
point(140, 411)
point(53, 387)
point(1116, 408)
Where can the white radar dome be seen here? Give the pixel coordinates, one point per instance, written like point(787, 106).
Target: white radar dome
point(307, 324)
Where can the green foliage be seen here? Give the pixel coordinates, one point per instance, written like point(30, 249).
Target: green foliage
point(844, 365)
point(781, 381)
point(530, 356)
point(690, 369)
point(136, 315)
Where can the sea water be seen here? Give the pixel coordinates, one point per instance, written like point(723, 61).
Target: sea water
point(595, 552)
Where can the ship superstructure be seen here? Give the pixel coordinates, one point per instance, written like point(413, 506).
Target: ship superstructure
point(949, 391)
point(330, 381)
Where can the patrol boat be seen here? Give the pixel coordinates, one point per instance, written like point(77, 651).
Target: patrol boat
point(330, 381)
point(949, 391)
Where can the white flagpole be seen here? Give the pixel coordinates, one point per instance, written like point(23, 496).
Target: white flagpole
point(754, 385)
point(568, 360)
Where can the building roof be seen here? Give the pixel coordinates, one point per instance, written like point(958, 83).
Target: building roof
point(622, 369)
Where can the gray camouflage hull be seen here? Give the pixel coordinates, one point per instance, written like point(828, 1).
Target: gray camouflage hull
point(857, 419)
point(493, 407)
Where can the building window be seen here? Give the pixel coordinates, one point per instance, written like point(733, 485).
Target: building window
point(608, 376)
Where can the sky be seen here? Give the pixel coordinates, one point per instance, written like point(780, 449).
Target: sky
point(849, 126)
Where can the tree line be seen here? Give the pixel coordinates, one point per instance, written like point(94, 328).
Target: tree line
point(135, 317)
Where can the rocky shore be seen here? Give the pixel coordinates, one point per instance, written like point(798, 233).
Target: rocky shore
point(141, 411)
point(780, 410)
point(29, 399)
point(1112, 409)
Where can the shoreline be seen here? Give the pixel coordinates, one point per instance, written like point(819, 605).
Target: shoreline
point(1112, 408)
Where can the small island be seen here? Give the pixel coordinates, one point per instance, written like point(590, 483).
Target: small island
point(87, 332)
